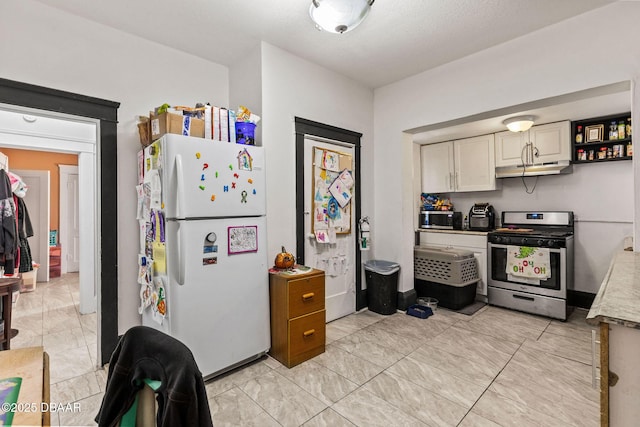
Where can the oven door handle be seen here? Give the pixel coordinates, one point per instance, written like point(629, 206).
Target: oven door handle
point(516, 296)
point(552, 250)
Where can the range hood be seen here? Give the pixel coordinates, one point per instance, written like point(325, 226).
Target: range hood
point(552, 168)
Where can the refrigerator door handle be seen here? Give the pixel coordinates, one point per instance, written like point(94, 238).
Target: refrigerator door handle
point(181, 256)
point(180, 182)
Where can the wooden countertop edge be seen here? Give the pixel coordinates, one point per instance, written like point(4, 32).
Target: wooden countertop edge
point(601, 311)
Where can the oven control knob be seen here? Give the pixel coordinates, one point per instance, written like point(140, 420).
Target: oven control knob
point(541, 242)
point(550, 243)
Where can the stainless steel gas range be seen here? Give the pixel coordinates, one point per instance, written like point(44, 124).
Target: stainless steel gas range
point(531, 262)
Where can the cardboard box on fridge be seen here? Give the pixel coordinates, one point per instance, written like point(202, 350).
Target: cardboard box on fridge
point(177, 124)
point(144, 131)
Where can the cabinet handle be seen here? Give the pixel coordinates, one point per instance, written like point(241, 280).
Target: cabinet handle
point(308, 296)
point(450, 180)
point(309, 333)
point(455, 182)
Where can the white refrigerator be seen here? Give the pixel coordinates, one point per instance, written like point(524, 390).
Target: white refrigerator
point(215, 273)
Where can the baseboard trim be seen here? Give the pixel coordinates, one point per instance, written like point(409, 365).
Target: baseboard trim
point(580, 299)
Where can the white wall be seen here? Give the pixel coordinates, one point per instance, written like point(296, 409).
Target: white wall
point(550, 62)
point(245, 86)
point(293, 87)
point(44, 46)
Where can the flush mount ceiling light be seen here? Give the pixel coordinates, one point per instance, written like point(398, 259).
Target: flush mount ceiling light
point(519, 123)
point(339, 16)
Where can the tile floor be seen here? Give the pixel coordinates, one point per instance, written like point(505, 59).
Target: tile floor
point(495, 368)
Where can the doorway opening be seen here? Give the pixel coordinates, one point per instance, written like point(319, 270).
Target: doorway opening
point(69, 224)
point(308, 133)
point(101, 166)
point(36, 199)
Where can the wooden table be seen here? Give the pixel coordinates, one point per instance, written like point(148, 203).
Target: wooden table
point(8, 285)
point(31, 364)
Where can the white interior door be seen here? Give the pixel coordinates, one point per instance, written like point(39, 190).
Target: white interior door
point(37, 201)
point(69, 219)
point(336, 259)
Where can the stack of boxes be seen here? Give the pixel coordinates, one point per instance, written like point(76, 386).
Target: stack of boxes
point(210, 122)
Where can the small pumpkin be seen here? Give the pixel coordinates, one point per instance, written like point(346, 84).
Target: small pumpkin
point(284, 259)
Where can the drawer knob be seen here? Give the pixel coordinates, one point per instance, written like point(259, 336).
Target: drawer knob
point(308, 296)
point(309, 333)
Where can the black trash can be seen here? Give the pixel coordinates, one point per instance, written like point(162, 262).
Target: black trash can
point(382, 285)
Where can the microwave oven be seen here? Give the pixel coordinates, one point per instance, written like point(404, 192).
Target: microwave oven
point(445, 220)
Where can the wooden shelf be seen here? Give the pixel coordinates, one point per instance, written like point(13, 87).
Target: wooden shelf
point(55, 261)
point(596, 146)
point(614, 159)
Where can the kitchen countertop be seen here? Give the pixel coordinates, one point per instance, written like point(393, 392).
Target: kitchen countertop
point(436, 230)
point(618, 299)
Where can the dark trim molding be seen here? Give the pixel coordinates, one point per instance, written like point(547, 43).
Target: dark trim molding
point(42, 98)
point(580, 299)
point(308, 127)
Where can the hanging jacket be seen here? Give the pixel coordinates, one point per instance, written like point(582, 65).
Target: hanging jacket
point(145, 353)
point(8, 233)
point(25, 229)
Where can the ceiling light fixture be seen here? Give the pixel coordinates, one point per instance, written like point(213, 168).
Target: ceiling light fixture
point(519, 123)
point(339, 16)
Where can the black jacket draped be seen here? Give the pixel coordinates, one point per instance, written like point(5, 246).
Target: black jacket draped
point(144, 352)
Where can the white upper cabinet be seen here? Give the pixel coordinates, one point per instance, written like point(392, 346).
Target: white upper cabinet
point(436, 161)
point(461, 165)
point(510, 148)
point(550, 143)
point(475, 168)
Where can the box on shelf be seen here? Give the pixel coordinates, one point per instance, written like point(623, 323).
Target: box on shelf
point(178, 124)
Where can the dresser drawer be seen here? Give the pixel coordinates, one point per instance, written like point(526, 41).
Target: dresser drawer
point(306, 337)
point(306, 295)
point(298, 318)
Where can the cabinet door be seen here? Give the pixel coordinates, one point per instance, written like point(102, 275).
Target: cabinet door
point(436, 162)
point(552, 141)
point(481, 258)
point(509, 147)
point(475, 168)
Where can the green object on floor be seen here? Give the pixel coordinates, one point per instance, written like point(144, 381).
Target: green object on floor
point(129, 418)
